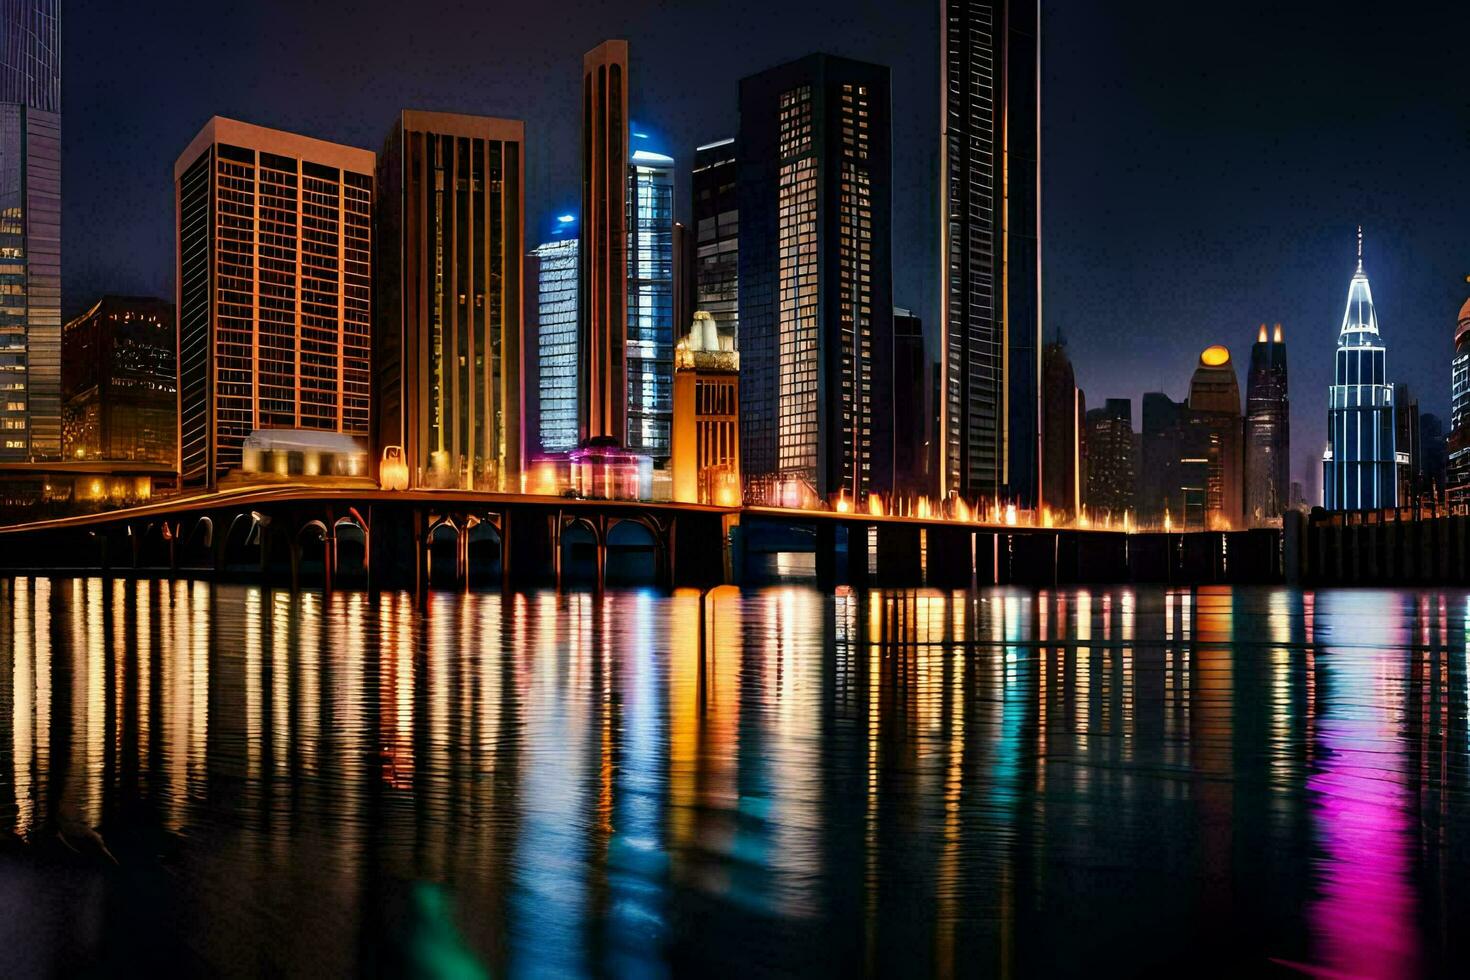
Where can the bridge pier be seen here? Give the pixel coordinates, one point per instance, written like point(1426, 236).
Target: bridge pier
point(826, 555)
point(857, 554)
point(900, 560)
point(950, 557)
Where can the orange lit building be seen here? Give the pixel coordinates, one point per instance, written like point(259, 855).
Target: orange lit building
point(274, 290)
point(706, 433)
point(1216, 436)
point(119, 384)
point(449, 339)
point(603, 311)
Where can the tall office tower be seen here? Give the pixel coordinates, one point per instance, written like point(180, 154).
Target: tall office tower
point(1159, 481)
point(1457, 475)
point(1358, 466)
point(556, 343)
point(650, 297)
point(602, 306)
point(705, 446)
point(717, 233)
point(912, 407)
point(1407, 461)
point(1267, 430)
point(1061, 433)
point(274, 290)
point(1112, 461)
point(684, 308)
point(1215, 421)
point(816, 280)
point(452, 218)
point(1432, 454)
point(30, 230)
point(119, 382)
point(990, 187)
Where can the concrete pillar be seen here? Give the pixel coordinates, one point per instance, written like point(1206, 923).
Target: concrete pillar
point(899, 560)
point(857, 555)
point(985, 558)
point(826, 555)
point(950, 557)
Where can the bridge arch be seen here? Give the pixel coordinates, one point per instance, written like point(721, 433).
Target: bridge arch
point(633, 552)
point(350, 550)
point(443, 542)
point(195, 547)
point(580, 552)
point(484, 553)
point(240, 547)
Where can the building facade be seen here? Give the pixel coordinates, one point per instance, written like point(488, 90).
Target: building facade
point(30, 230)
point(602, 306)
point(815, 272)
point(990, 189)
point(119, 382)
point(912, 408)
point(1268, 430)
point(1159, 482)
point(274, 290)
point(1359, 466)
point(449, 318)
point(1214, 434)
point(555, 365)
point(650, 298)
point(716, 215)
point(705, 450)
point(1112, 461)
point(1457, 464)
point(1061, 433)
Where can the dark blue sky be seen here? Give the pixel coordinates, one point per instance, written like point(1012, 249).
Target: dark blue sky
point(1204, 166)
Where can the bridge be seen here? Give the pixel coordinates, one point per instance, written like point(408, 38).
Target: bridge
point(363, 537)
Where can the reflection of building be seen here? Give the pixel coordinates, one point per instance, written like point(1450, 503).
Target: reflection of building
point(1111, 459)
point(1213, 433)
point(706, 434)
point(1268, 430)
point(990, 192)
point(816, 291)
point(274, 286)
point(1457, 474)
point(30, 230)
point(1358, 466)
point(555, 325)
point(717, 233)
point(449, 298)
point(119, 383)
point(603, 279)
point(912, 408)
point(650, 297)
point(1061, 432)
point(1159, 492)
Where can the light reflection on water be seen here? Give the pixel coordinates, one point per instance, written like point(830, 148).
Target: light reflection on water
point(229, 779)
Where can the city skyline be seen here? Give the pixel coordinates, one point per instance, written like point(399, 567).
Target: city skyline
point(1273, 240)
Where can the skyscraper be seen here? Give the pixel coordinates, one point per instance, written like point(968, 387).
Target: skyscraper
point(603, 280)
point(1268, 430)
point(717, 233)
point(120, 383)
point(1457, 475)
point(1407, 462)
point(1433, 458)
point(1213, 434)
point(555, 367)
point(274, 287)
point(1061, 433)
point(1112, 460)
point(650, 297)
point(705, 445)
point(451, 194)
point(990, 188)
point(816, 289)
point(1159, 483)
point(30, 229)
point(1358, 466)
point(911, 406)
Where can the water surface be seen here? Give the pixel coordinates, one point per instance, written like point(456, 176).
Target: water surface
point(226, 780)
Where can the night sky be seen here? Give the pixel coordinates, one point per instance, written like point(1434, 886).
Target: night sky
point(1204, 166)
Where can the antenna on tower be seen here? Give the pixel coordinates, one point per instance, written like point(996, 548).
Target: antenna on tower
point(1360, 248)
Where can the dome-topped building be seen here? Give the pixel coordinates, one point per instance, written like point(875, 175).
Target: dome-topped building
point(1358, 466)
point(1213, 464)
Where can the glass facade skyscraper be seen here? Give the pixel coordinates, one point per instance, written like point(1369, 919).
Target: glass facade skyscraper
point(120, 382)
point(1457, 475)
point(30, 230)
point(274, 287)
point(650, 295)
point(990, 191)
point(815, 272)
point(717, 234)
point(449, 313)
point(556, 333)
point(1358, 466)
point(1267, 430)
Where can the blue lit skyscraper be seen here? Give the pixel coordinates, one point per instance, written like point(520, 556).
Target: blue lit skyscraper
point(650, 345)
point(556, 337)
point(30, 229)
point(1358, 465)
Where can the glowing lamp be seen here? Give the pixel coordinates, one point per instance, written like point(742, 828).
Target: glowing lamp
point(844, 506)
point(1011, 514)
point(393, 469)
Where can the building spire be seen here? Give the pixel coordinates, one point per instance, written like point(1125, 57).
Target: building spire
point(1360, 250)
